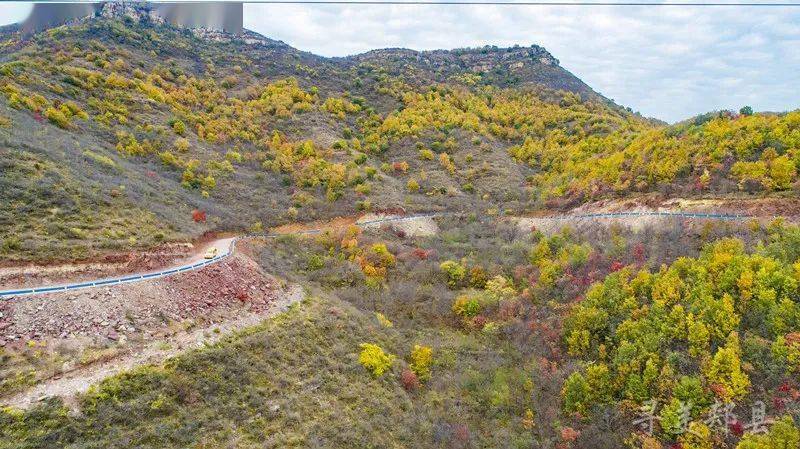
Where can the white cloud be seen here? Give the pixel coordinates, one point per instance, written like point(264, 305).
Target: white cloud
point(13, 12)
point(668, 62)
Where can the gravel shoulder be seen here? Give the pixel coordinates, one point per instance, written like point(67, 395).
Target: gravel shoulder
point(72, 383)
point(761, 209)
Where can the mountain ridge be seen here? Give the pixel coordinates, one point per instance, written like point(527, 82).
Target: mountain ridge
point(116, 131)
point(516, 64)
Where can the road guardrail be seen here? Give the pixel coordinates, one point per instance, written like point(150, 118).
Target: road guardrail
point(182, 269)
point(232, 248)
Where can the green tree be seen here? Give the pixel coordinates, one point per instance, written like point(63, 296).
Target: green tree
point(600, 383)
point(689, 390)
point(699, 338)
point(466, 306)
point(455, 272)
point(576, 394)
point(725, 370)
point(672, 418)
point(179, 127)
point(782, 171)
point(697, 437)
point(782, 435)
point(421, 360)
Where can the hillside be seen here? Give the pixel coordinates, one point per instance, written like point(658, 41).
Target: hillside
point(141, 124)
point(117, 130)
point(485, 335)
point(493, 325)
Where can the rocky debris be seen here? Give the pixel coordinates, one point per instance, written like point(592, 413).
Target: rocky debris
point(75, 379)
point(233, 284)
point(111, 313)
point(148, 261)
point(416, 227)
point(216, 35)
point(6, 321)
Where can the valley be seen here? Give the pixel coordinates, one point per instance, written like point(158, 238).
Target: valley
point(466, 248)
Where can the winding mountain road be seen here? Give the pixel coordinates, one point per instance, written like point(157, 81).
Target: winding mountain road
point(78, 380)
point(227, 246)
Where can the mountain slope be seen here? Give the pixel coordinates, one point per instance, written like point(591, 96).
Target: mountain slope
point(147, 123)
point(482, 332)
point(502, 67)
point(154, 116)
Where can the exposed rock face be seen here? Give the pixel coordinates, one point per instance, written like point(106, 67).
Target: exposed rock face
point(138, 12)
point(216, 16)
point(499, 66)
point(485, 58)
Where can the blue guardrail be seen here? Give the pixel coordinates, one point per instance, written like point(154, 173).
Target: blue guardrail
point(119, 280)
point(231, 249)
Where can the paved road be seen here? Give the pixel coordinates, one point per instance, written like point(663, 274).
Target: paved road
point(224, 247)
point(227, 246)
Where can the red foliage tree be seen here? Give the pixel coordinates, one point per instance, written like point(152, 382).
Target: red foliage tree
point(401, 166)
point(568, 434)
point(737, 428)
point(639, 254)
point(199, 216)
point(421, 254)
point(409, 380)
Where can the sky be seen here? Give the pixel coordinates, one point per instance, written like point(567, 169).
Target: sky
point(668, 62)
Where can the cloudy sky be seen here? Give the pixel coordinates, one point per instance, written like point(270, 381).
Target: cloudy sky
point(669, 62)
